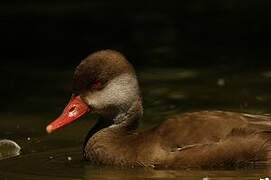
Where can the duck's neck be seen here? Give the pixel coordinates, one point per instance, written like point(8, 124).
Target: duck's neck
point(129, 120)
point(100, 124)
point(115, 135)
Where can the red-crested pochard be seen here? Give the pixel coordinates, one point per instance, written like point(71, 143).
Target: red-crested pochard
point(105, 83)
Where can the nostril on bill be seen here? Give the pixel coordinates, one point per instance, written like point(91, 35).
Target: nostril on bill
point(72, 111)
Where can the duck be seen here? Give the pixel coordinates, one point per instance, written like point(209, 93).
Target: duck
point(105, 83)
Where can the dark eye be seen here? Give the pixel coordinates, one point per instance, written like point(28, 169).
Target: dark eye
point(96, 85)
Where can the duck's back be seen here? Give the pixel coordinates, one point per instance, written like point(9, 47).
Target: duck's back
point(215, 139)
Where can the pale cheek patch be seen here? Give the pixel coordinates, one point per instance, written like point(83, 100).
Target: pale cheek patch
point(121, 92)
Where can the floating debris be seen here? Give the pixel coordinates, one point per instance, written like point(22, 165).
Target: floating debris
point(206, 178)
point(28, 138)
point(9, 149)
point(69, 158)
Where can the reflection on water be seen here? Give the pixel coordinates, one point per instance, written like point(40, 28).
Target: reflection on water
point(165, 91)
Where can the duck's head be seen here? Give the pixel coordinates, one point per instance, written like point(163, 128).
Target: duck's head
point(103, 83)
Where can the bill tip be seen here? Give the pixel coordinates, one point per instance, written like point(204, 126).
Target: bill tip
point(49, 129)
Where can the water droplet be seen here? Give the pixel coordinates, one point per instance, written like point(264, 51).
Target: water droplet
point(221, 82)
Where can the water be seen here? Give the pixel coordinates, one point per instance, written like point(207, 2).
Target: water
point(43, 92)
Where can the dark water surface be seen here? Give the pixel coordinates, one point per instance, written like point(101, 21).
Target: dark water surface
point(32, 97)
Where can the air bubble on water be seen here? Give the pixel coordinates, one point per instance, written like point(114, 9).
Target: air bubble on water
point(9, 149)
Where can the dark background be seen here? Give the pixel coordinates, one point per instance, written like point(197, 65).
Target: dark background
point(150, 33)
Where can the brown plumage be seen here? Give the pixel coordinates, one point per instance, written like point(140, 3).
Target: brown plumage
point(206, 139)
